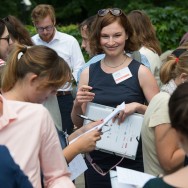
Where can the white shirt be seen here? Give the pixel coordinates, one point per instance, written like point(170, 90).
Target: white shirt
point(154, 61)
point(68, 48)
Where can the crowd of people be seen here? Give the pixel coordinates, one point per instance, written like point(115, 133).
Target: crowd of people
point(38, 112)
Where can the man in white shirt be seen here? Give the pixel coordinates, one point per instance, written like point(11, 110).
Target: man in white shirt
point(43, 17)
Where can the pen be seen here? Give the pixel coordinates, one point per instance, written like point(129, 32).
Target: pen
point(85, 117)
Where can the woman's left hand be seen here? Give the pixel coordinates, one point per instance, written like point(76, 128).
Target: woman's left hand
point(128, 110)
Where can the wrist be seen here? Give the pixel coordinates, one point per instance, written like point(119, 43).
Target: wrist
point(76, 104)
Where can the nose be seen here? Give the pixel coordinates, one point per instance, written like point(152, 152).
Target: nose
point(111, 41)
point(83, 45)
point(10, 41)
point(45, 31)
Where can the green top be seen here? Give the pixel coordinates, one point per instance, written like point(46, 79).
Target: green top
point(156, 183)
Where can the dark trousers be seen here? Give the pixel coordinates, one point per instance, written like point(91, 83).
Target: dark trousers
point(65, 106)
point(95, 180)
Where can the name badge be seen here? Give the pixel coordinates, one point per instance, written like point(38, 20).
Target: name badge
point(122, 75)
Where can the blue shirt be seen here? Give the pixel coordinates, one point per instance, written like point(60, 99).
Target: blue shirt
point(11, 176)
point(91, 61)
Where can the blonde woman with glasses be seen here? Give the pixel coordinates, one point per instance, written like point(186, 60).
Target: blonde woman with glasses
point(113, 35)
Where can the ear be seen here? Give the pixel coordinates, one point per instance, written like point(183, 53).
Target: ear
point(127, 37)
point(32, 78)
point(183, 77)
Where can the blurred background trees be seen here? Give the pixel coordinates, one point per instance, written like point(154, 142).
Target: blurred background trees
point(170, 18)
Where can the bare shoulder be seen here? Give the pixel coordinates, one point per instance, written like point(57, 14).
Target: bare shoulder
point(178, 178)
point(144, 70)
point(84, 77)
point(145, 75)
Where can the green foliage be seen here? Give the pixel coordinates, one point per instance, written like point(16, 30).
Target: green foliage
point(171, 25)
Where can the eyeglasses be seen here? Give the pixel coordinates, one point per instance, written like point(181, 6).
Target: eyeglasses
point(113, 11)
point(98, 168)
point(7, 38)
point(47, 28)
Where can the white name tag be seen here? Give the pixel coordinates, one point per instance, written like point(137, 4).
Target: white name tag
point(122, 75)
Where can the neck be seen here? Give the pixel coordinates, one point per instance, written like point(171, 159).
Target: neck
point(16, 94)
point(115, 62)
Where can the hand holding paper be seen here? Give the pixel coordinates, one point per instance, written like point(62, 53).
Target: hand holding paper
point(112, 115)
point(105, 121)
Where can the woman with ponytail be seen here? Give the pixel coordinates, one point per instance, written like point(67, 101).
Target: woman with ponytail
point(178, 112)
point(162, 153)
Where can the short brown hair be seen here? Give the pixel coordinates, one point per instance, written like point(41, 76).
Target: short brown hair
point(103, 21)
point(41, 11)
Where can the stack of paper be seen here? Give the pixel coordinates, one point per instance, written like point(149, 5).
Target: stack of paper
point(127, 178)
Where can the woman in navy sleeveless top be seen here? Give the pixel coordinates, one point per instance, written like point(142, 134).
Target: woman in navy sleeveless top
point(111, 81)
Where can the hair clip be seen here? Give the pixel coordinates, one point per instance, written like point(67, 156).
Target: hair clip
point(177, 59)
point(2, 63)
point(20, 55)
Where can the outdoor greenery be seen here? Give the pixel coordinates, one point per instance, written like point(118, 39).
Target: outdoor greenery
point(171, 24)
point(170, 18)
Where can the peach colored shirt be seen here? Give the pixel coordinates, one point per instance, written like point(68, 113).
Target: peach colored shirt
point(28, 131)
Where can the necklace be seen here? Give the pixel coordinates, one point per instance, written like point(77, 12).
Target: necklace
point(116, 65)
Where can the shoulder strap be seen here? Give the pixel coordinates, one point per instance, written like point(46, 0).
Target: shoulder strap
point(136, 55)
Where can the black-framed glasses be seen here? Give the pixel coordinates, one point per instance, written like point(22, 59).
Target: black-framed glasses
point(113, 11)
point(47, 28)
point(7, 38)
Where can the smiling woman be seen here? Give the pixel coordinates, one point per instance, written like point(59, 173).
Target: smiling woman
point(113, 35)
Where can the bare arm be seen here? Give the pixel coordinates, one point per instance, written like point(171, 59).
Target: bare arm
point(150, 89)
point(170, 155)
point(85, 143)
point(147, 83)
point(82, 97)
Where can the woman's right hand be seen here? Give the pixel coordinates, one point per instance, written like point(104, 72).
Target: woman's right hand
point(84, 95)
point(87, 142)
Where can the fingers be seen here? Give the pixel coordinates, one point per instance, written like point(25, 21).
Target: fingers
point(84, 94)
point(85, 88)
point(121, 117)
point(88, 141)
point(93, 124)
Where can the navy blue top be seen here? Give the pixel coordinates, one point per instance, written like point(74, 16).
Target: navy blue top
point(107, 92)
point(11, 175)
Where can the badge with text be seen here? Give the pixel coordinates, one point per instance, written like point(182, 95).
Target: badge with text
point(122, 75)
